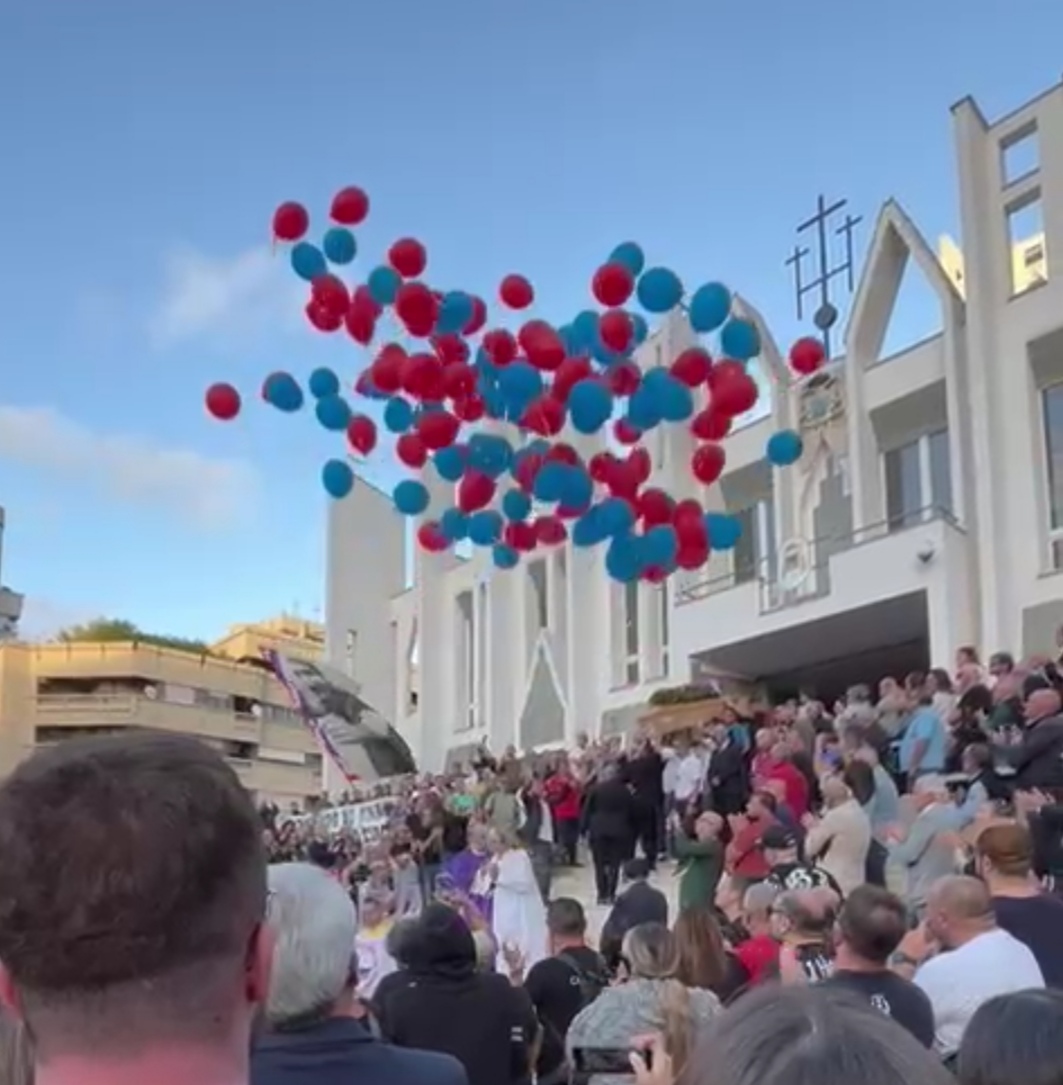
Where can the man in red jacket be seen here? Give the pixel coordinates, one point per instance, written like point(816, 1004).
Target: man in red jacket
point(563, 796)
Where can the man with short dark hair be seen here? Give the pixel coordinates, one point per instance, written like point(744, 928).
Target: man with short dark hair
point(639, 903)
point(132, 906)
point(786, 870)
point(563, 984)
point(870, 927)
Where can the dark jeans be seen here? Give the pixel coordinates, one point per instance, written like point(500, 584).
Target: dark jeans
point(609, 855)
point(649, 830)
point(542, 861)
point(568, 840)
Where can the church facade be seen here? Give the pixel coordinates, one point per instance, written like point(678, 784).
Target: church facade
point(925, 514)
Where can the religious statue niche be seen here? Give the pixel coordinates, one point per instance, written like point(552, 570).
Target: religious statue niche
point(821, 401)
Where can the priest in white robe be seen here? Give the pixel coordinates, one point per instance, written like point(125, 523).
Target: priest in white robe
point(518, 914)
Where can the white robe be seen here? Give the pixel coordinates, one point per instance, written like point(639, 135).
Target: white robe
point(518, 915)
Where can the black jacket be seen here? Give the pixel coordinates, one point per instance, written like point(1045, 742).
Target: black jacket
point(440, 1002)
point(1037, 760)
point(340, 1051)
point(609, 812)
point(639, 903)
point(728, 779)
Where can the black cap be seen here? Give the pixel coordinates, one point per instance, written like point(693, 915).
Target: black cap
point(779, 838)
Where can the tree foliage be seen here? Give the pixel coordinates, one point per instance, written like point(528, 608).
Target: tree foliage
point(118, 629)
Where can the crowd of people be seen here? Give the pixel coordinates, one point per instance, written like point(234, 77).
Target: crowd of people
point(866, 893)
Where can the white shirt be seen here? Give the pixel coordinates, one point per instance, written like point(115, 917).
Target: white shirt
point(689, 776)
point(958, 981)
point(670, 772)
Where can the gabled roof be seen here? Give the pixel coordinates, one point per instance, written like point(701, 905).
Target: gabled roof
point(896, 240)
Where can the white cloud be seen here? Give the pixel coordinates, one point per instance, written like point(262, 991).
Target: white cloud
point(208, 493)
point(231, 299)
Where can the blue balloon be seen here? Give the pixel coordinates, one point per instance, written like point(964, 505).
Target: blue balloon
point(323, 382)
point(660, 545)
point(785, 448)
point(570, 338)
point(643, 408)
point(410, 497)
point(585, 330)
point(450, 462)
point(659, 290)
point(640, 329)
point(577, 488)
point(516, 505)
point(455, 311)
point(505, 557)
point(398, 415)
point(675, 401)
point(339, 245)
point(454, 525)
point(550, 482)
point(383, 284)
point(616, 516)
point(520, 382)
point(709, 307)
point(630, 255)
point(485, 527)
point(333, 412)
point(740, 339)
point(622, 559)
point(490, 454)
point(590, 405)
point(308, 261)
point(588, 529)
point(337, 478)
point(724, 531)
point(282, 391)
point(494, 402)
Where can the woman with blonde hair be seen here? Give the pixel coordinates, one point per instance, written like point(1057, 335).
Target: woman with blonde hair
point(649, 999)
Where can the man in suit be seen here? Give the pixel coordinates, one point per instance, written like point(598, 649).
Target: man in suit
point(639, 903)
point(727, 773)
point(609, 821)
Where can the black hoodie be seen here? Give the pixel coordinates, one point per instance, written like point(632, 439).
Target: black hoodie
point(440, 1002)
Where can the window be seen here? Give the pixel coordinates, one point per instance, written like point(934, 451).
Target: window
point(918, 478)
point(1026, 242)
point(662, 604)
point(351, 652)
point(466, 662)
point(754, 553)
point(1052, 411)
point(541, 598)
point(1019, 154)
point(631, 631)
point(480, 638)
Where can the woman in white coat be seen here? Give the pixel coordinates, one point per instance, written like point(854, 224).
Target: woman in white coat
point(839, 841)
point(518, 915)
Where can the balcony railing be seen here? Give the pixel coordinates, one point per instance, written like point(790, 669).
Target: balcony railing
point(134, 709)
point(801, 571)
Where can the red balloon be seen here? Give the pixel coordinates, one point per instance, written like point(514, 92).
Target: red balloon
point(546, 416)
point(600, 466)
point(223, 402)
point(290, 221)
point(411, 450)
point(612, 284)
point(707, 463)
point(624, 378)
point(691, 556)
point(521, 536)
point(450, 348)
point(550, 530)
point(563, 452)
point(459, 380)
point(422, 377)
point(500, 346)
point(639, 459)
point(475, 491)
point(330, 293)
point(438, 429)
point(625, 432)
point(654, 507)
point(361, 433)
point(542, 345)
point(408, 257)
point(387, 368)
point(478, 318)
point(431, 537)
point(570, 372)
point(624, 480)
point(470, 408)
point(807, 355)
point(688, 517)
point(365, 301)
point(710, 424)
point(350, 206)
point(360, 324)
point(655, 574)
point(735, 393)
point(516, 292)
point(526, 470)
point(616, 330)
point(417, 308)
point(692, 367)
point(323, 318)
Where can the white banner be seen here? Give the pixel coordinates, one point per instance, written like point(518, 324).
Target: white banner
point(367, 819)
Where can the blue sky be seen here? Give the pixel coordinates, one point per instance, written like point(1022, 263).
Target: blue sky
point(146, 144)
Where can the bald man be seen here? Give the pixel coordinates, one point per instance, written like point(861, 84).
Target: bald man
point(977, 962)
point(1037, 760)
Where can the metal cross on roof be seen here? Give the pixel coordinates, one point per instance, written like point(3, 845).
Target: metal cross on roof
point(827, 270)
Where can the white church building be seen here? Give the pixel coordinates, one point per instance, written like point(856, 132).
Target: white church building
point(925, 514)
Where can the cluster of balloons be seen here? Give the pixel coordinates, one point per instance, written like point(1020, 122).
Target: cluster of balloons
point(518, 485)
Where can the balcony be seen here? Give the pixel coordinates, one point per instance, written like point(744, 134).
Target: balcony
point(812, 580)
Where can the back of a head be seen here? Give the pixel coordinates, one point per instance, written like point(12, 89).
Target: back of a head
point(1008, 848)
point(810, 1036)
point(565, 918)
point(315, 925)
point(637, 870)
point(962, 898)
point(651, 951)
point(873, 921)
point(1014, 1039)
point(132, 889)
